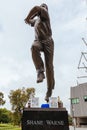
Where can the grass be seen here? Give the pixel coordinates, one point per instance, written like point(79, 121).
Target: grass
point(9, 127)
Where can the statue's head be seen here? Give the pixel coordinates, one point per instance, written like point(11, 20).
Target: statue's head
point(44, 6)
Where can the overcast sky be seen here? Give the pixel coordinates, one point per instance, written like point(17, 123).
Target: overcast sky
point(69, 25)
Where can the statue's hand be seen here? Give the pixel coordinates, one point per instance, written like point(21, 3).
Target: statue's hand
point(30, 22)
point(26, 21)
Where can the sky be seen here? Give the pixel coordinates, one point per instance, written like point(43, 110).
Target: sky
point(69, 25)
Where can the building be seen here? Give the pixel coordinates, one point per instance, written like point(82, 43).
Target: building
point(78, 96)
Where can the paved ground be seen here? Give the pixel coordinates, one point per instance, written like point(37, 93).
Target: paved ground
point(82, 128)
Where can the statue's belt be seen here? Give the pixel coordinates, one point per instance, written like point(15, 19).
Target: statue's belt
point(49, 39)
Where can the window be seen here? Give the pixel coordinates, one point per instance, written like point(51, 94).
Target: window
point(85, 98)
point(74, 100)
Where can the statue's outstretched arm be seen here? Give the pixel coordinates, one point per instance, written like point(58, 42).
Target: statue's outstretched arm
point(33, 12)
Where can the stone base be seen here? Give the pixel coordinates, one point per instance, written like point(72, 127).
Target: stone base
point(45, 119)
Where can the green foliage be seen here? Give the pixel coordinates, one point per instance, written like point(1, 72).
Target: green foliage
point(5, 115)
point(70, 120)
point(18, 99)
point(2, 101)
point(9, 127)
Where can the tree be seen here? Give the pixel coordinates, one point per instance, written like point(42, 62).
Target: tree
point(2, 101)
point(70, 120)
point(18, 99)
point(5, 115)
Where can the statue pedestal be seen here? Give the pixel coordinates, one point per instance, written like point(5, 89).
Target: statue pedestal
point(45, 119)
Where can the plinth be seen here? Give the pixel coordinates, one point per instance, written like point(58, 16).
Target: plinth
point(45, 119)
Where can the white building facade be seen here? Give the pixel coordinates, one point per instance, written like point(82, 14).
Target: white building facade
point(78, 96)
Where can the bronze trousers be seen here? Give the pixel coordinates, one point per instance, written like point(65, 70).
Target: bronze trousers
point(47, 47)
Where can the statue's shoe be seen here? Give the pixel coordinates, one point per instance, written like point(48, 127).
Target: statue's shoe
point(40, 77)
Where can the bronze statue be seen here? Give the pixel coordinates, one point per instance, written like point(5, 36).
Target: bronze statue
point(38, 18)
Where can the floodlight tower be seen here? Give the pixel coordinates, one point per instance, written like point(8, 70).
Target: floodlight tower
point(83, 61)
